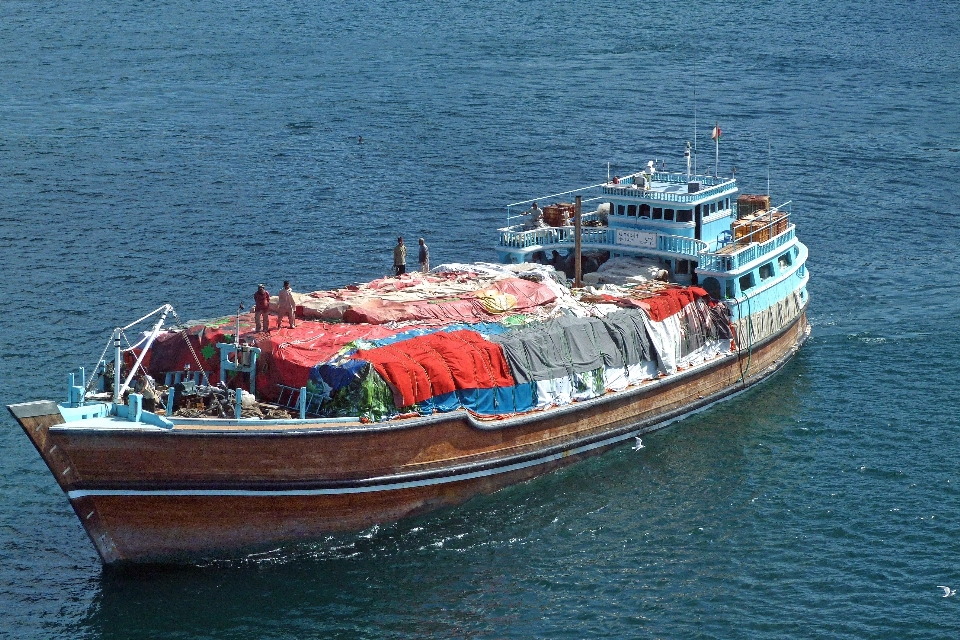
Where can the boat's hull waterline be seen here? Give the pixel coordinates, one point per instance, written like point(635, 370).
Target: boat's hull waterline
point(148, 494)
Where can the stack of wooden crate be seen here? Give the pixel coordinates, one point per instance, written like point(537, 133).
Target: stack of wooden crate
point(559, 214)
point(759, 227)
point(747, 205)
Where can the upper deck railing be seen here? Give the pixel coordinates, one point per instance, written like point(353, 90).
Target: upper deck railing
point(714, 186)
point(731, 261)
point(552, 237)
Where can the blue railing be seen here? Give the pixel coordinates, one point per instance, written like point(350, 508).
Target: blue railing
point(746, 255)
point(659, 196)
point(564, 236)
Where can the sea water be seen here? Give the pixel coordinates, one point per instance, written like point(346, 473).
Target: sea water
point(183, 152)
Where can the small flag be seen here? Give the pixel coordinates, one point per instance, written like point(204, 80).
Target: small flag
point(716, 132)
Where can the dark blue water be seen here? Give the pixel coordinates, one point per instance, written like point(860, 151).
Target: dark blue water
point(182, 152)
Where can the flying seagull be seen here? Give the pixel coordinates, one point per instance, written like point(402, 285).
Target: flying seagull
point(639, 445)
point(947, 591)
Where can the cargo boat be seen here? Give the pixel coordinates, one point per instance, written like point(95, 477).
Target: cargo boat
point(407, 394)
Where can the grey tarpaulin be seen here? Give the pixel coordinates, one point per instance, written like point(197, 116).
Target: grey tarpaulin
point(560, 347)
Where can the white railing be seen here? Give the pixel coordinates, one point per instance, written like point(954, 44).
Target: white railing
point(747, 254)
point(553, 237)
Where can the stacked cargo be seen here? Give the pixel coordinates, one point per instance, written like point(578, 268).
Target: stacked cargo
point(759, 227)
point(559, 214)
point(491, 339)
point(748, 205)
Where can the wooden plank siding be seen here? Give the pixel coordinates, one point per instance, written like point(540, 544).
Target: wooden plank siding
point(148, 495)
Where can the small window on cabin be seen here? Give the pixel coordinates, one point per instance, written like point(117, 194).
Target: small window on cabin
point(746, 281)
point(731, 291)
point(632, 210)
point(766, 271)
point(683, 267)
point(684, 215)
point(784, 261)
point(620, 209)
point(668, 214)
point(713, 207)
point(644, 211)
point(657, 213)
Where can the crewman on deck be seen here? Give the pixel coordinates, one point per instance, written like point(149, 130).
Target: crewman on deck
point(261, 309)
point(535, 221)
point(286, 305)
point(424, 257)
point(144, 385)
point(399, 258)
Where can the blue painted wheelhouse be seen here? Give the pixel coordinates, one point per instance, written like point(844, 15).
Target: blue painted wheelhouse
point(743, 251)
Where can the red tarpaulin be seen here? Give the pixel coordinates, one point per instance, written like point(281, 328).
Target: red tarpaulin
point(431, 365)
point(669, 301)
point(286, 355)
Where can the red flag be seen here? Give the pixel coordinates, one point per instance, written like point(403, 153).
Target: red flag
point(716, 132)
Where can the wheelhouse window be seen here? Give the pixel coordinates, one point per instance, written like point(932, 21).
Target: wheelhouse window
point(746, 281)
point(657, 213)
point(632, 210)
point(683, 267)
point(644, 211)
point(766, 271)
point(620, 209)
point(784, 261)
point(684, 215)
point(668, 214)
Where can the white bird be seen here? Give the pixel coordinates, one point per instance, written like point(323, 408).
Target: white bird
point(639, 445)
point(947, 591)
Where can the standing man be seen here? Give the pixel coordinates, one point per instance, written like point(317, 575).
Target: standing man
point(261, 310)
point(399, 258)
point(286, 305)
point(424, 257)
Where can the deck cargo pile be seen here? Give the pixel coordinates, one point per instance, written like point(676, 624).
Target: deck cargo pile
point(492, 339)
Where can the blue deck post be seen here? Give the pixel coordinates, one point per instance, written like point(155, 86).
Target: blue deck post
point(134, 407)
point(171, 396)
point(303, 403)
point(239, 402)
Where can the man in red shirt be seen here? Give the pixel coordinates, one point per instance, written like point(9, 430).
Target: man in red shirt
point(261, 312)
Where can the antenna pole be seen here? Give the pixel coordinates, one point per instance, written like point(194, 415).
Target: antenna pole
point(768, 165)
point(577, 230)
point(694, 113)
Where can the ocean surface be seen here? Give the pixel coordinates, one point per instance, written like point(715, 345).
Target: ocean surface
point(182, 152)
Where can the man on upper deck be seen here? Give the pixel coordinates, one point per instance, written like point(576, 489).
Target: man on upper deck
point(535, 221)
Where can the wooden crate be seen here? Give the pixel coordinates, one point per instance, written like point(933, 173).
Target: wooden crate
point(559, 214)
point(760, 225)
point(748, 205)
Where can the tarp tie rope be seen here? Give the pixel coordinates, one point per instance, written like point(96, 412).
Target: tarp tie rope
point(186, 338)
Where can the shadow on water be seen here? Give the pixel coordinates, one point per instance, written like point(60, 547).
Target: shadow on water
point(448, 568)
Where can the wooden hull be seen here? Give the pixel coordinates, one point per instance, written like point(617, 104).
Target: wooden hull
point(209, 490)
